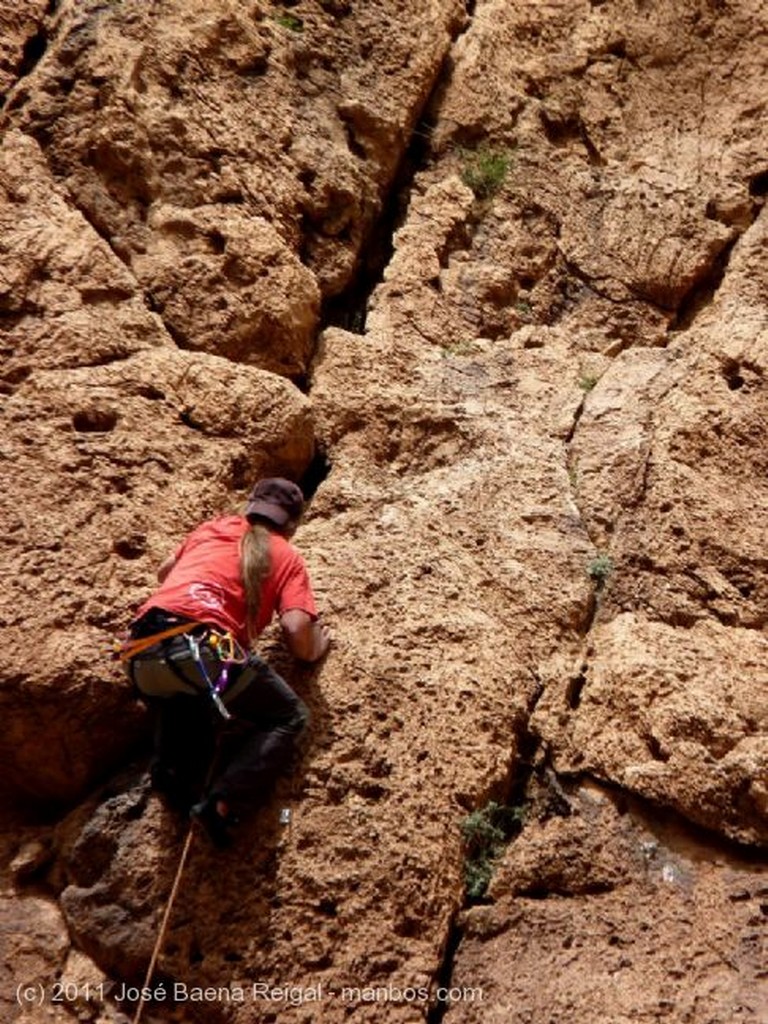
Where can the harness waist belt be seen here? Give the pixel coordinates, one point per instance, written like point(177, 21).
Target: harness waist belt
point(133, 647)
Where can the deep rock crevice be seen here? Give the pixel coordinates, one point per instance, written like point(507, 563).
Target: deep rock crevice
point(349, 309)
point(511, 793)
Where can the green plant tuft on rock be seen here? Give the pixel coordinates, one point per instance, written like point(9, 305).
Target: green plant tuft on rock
point(484, 169)
point(290, 21)
point(599, 569)
point(459, 348)
point(486, 831)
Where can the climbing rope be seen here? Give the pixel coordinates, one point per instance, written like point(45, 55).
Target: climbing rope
point(164, 922)
point(229, 653)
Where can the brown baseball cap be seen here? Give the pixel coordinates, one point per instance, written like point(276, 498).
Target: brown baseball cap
point(276, 499)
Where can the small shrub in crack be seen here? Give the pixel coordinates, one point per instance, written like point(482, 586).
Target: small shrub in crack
point(524, 309)
point(484, 170)
point(290, 21)
point(459, 348)
point(599, 569)
point(486, 832)
point(587, 382)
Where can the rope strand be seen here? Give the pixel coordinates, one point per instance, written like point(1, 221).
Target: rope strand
point(164, 923)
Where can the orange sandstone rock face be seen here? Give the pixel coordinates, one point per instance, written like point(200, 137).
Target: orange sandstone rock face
point(540, 543)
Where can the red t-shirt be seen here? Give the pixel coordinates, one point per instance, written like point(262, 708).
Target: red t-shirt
point(205, 582)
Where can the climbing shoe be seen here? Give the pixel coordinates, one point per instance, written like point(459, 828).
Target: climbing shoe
point(216, 826)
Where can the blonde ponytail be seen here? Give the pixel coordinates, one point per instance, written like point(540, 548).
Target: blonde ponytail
point(254, 569)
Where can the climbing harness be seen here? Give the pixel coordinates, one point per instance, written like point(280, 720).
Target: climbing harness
point(204, 643)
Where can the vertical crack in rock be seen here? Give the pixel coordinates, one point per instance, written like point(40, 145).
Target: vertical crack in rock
point(445, 973)
point(512, 794)
point(316, 473)
point(349, 309)
point(579, 681)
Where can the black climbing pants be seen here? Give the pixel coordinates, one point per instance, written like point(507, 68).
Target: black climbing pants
point(247, 751)
point(268, 719)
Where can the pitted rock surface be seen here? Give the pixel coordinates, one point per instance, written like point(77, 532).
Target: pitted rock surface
point(500, 268)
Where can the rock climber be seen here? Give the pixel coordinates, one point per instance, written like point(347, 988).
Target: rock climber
point(189, 656)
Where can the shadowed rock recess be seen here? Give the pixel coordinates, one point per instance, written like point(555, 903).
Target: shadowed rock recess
point(540, 546)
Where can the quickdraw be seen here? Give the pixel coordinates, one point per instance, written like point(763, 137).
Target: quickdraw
point(216, 689)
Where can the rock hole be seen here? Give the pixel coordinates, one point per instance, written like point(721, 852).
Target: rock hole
point(18, 374)
point(119, 484)
point(186, 418)
point(307, 176)
point(732, 375)
point(372, 791)
point(573, 690)
point(655, 749)
point(536, 892)
point(328, 907)
point(239, 473)
point(34, 50)
point(317, 471)
point(355, 147)
point(94, 421)
point(233, 957)
point(621, 802)
point(217, 241)
point(104, 296)
point(131, 547)
point(150, 391)
point(560, 131)
point(758, 185)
